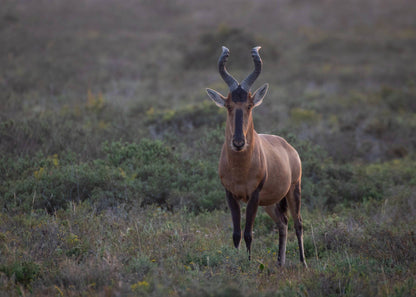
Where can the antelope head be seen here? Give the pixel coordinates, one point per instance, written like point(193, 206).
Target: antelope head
point(240, 101)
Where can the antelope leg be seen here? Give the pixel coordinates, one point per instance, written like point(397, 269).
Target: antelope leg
point(234, 206)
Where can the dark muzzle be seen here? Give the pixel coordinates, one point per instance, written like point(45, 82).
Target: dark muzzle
point(238, 144)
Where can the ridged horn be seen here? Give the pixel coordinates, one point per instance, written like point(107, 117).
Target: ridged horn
point(229, 80)
point(249, 80)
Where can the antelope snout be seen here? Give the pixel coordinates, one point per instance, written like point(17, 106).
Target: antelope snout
point(238, 144)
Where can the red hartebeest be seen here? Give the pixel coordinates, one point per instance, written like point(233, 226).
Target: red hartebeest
point(259, 169)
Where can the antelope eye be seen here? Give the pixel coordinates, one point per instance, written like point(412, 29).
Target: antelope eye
point(250, 106)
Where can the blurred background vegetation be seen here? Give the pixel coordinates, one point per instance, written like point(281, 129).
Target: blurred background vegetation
point(103, 109)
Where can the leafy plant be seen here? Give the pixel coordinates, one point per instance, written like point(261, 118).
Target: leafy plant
point(21, 272)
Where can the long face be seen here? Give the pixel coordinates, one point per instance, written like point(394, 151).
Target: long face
point(239, 105)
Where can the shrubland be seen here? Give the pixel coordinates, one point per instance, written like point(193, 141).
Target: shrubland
point(109, 147)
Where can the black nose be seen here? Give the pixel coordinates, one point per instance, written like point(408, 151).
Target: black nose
point(238, 143)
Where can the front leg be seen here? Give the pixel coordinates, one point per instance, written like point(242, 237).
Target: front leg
point(251, 212)
point(234, 206)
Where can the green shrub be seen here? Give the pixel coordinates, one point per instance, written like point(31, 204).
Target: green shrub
point(185, 120)
point(327, 184)
point(164, 178)
point(307, 116)
point(22, 272)
point(140, 265)
point(399, 99)
point(148, 172)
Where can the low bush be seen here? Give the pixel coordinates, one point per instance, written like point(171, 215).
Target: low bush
point(147, 172)
point(80, 129)
point(22, 272)
point(328, 184)
point(185, 120)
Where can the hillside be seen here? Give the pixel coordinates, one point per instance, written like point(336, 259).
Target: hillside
point(109, 146)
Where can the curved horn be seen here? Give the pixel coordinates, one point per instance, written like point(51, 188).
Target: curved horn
point(231, 81)
point(249, 80)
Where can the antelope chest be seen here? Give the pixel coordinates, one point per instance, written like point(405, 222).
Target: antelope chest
point(239, 184)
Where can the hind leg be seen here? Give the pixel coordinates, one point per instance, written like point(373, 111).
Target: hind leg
point(294, 201)
point(278, 213)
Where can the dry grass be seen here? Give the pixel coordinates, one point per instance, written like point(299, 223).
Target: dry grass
point(152, 252)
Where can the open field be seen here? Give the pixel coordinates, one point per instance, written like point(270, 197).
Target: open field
point(109, 146)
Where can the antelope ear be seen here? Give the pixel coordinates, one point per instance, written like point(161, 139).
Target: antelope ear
point(216, 97)
point(259, 94)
